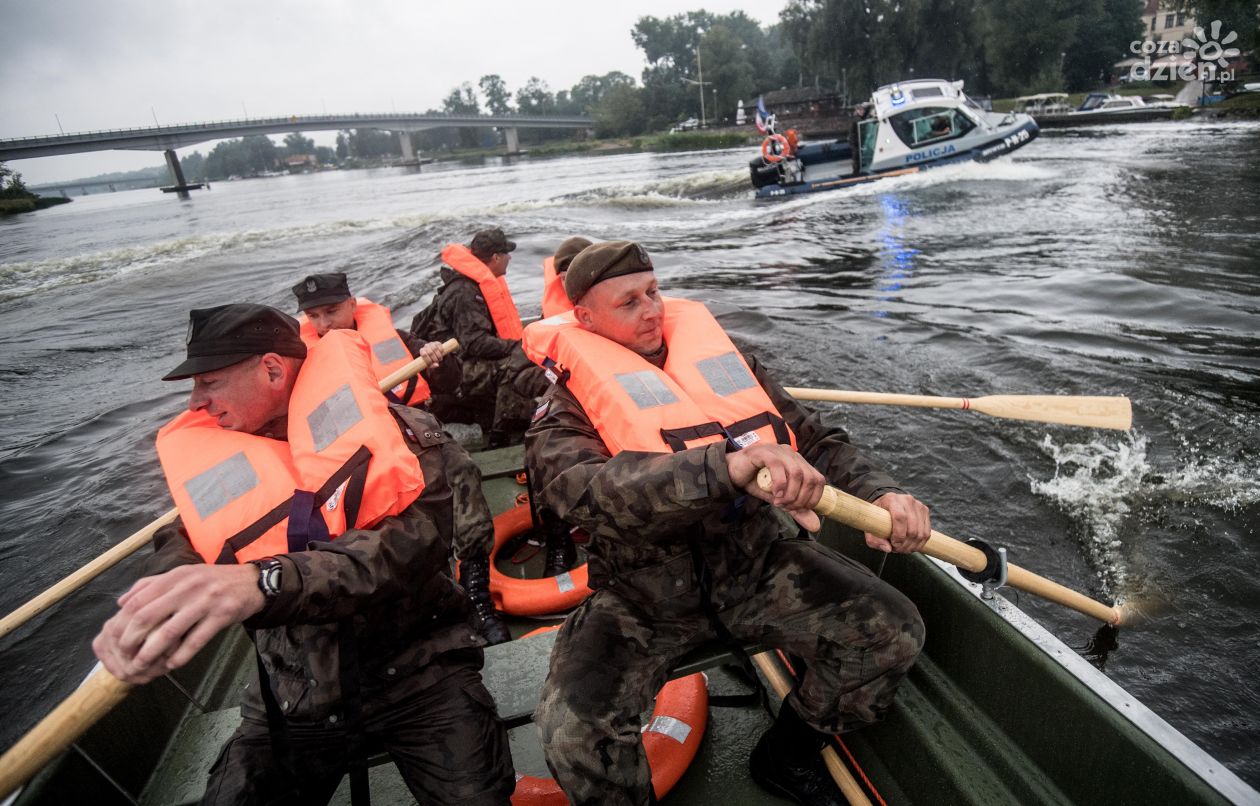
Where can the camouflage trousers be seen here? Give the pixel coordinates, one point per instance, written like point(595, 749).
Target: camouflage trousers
point(496, 395)
point(857, 635)
point(473, 535)
point(447, 741)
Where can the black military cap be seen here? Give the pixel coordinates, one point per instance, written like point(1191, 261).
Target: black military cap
point(567, 251)
point(604, 261)
point(488, 242)
point(321, 289)
point(226, 335)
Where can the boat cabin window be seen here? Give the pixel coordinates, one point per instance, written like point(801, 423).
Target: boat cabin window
point(930, 124)
point(1123, 104)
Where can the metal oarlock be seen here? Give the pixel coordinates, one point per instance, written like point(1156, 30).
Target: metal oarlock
point(993, 575)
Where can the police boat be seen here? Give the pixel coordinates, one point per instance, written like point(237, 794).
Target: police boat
point(911, 126)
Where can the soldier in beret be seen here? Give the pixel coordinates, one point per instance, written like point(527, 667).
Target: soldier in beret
point(651, 441)
point(555, 300)
point(476, 306)
point(360, 637)
point(326, 304)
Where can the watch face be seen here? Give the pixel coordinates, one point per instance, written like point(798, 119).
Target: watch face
point(268, 576)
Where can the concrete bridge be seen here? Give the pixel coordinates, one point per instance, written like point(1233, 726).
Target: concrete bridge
point(169, 138)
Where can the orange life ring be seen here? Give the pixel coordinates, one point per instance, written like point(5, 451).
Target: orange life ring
point(774, 156)
point(531, 597)
point(671, 739)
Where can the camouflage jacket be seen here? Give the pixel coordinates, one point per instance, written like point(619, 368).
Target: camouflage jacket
point(446, 376)
point(458, 311)
point(644, 511)
point(393, 583)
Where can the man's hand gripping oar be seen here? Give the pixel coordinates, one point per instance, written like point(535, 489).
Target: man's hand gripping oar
point(158, 634)
point(794, 485)
point(877, 520)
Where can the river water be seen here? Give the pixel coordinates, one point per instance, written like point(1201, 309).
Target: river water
point(1101, 261)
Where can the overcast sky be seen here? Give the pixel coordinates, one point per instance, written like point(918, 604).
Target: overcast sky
point(103, 64)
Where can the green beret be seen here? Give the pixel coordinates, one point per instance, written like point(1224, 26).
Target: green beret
point(567, 251)
point(604, 261)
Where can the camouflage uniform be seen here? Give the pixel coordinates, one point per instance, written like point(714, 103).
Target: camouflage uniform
point(418, 654)
point(447, 375)
point(500, 383)
point(647, 514)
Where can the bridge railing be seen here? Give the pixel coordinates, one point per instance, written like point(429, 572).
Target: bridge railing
point(401, 117)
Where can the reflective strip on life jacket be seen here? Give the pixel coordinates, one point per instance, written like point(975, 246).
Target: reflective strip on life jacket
point(389, 352)
point(706, 392)
point(494, 290)
point(242, 496)
point(555, 300)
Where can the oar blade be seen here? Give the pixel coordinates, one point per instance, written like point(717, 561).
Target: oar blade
point(1089, 412)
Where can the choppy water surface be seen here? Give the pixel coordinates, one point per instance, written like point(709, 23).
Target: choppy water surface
point(1106, 261)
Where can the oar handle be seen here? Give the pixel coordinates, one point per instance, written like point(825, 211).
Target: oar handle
point(131, 545)
point(415, 367)
point(866, 517)
point(768, 665)
point(91, 701)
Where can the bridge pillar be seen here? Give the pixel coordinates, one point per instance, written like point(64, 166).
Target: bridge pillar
point(177, 173)
point(408, 150)
point(512, 139)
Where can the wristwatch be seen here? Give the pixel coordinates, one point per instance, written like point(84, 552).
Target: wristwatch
point(268, 576)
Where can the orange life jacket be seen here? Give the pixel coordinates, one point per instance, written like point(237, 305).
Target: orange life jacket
point(389, 352)
point(555, 300)
point(242, 496)
point(705, 393)
point(494, 290)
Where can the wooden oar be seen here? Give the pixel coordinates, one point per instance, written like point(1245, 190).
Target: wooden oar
point(141, 538)
point(89, 702)
point(768, 664)
point(1090, 412)
point(866, 517)
point(102, 691)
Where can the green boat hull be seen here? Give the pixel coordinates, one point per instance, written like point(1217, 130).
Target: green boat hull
point(996, 711)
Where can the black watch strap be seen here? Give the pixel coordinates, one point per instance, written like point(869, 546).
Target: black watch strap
point(268, 576)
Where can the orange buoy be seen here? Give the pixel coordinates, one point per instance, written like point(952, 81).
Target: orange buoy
point(531, 597)
point(670, 740)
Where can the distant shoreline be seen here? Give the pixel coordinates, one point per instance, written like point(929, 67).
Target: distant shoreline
point(30, 204)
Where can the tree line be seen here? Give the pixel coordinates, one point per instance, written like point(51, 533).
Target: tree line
point(999, 47)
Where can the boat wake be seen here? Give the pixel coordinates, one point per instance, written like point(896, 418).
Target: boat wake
point(30, 277)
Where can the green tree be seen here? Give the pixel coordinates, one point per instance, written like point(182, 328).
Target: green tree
point(619, 112)
point(498, 99)
point(1240, 16)
point(1103, 33)
point(297, 143)
point(590, 90)
point(343, 145)
point(535, 98)
point(11, 184)
point(729, 72)
point(462, 100)
point(194, 166)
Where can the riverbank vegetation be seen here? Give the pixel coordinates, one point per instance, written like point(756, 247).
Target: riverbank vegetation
point(15, 198)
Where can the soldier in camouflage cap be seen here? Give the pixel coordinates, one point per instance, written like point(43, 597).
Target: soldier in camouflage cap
point(366, 637)
point(685, 548)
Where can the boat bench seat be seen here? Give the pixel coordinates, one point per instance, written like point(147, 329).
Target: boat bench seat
point(514, 673)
